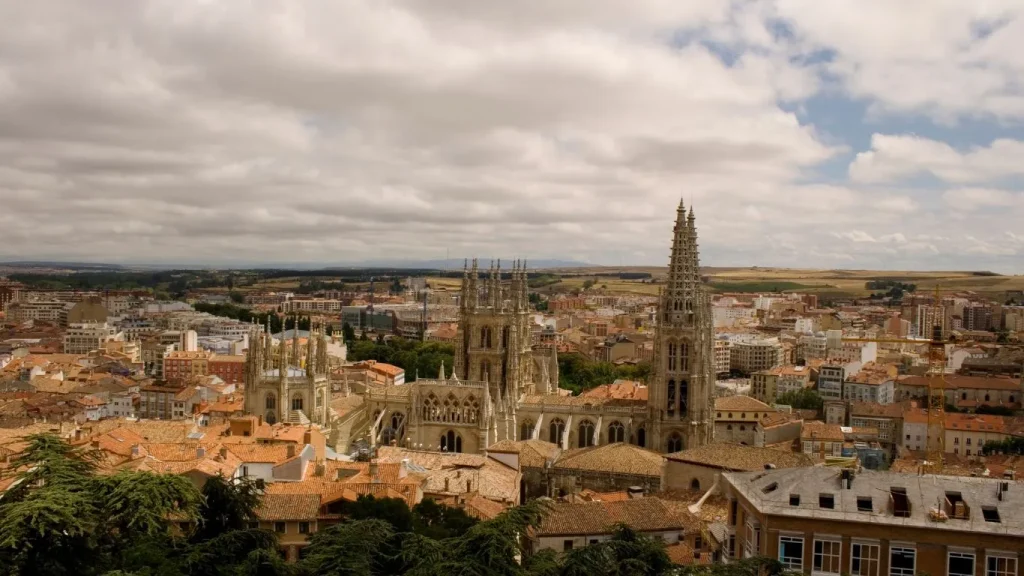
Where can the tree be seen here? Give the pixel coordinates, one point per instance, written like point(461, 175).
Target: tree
point(352, 548)
point(236, 297)
point(803, 399)
point(61, 518)
point(588, 284)
point(438, 521)
point(348, 334)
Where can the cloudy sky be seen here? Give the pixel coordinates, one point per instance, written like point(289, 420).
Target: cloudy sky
point(860, 134)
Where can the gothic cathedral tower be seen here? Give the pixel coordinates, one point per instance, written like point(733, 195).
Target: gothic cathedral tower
point(681, 397)
point(493, 342)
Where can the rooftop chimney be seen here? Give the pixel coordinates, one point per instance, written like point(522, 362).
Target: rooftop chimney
point(447, 485)
point(635, 492)
point(223, 452)
point(374, 476)
point(290, 450)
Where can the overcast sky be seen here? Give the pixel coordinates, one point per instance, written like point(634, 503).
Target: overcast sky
point(847, 134)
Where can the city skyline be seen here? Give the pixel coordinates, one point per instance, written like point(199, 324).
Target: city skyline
point(871, 136)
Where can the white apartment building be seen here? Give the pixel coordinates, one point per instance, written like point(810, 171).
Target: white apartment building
point(312, 305)
point(41, 310)
point(749, 356)
point(803, 325)
point(723, 355)
point(862, 352)
point(832, 376)
point(811, 346)
point(86, 337)
point(729, 316)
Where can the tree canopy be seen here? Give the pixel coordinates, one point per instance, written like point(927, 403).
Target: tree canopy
point(413, 356)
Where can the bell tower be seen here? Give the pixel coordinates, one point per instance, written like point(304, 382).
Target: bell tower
point(681, 395)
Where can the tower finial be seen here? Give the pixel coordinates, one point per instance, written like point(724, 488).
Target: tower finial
point(681, 207)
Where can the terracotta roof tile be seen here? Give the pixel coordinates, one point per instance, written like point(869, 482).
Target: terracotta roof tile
point(642, 514)
point(279, 507)
point(739, 403)
point(532, 453)
point(615, 458)
point(739, 457)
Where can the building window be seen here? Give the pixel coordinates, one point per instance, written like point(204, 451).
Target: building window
point(960, 564)
point(826, 556)
point(1001, 564)
point(791, 552)
point(864, 559)
point(752, 544)
point(557, 429)
point(902, 561)
point(526, 430)
point(675, 443)
point(566, 545)
point(303, 527)
point(296, 402)
point(451, 442)
point(671, 356)
point(616, 432)
point(586, 432)
point(271, 402)
point(280, 527)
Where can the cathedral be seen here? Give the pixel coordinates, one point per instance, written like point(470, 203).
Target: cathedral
point(503, 388)
point(283, 387)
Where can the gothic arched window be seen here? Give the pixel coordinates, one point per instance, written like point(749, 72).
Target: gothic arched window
point(526, 430)
point(431, 408)
point(684, 356)
point(297, 401)
point(450, 410)
point(485, 337)
point(616, 432)
point(641, 437)
point(471, 410)
point(271, 402)
point(672, 356)
point(451, 442)
point(398, 425)
point(586, 431)
point(671, 396)
point(557, 429)
point(675, 442)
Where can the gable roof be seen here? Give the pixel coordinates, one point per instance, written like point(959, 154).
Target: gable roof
point(615, 458)
point(740, 403)
point(739, 457)
point(642, 514)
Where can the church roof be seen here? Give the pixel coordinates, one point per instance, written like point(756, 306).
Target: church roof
point(532, 453)
point(559, 400)
point(293, 372)
point(615, 458)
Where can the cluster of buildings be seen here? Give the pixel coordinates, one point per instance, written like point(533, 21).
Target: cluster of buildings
point(705, 453)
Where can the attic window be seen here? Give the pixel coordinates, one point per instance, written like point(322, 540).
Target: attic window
point(900, 502)
point(794, 499)
point(864, 504)
point(991, 513)
point(770, 488)
point(826, 501)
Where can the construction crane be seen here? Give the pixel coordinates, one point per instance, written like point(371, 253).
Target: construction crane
point(936, 407)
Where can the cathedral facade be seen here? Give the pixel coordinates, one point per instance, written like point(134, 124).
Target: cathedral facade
point(503, 388)
point(288, 386)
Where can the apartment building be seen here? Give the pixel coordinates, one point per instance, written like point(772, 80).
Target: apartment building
point(827, 521)
point(180, 366)
point(723, 355)
point(321, 305)
point(872, 383)
point(886, 418)
point(965, 391)
point(38, 310)
point(749, 356)
point(82, 338)
point(831, 377)
point(768, 385)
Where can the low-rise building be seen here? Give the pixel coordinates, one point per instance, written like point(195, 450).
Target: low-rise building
point(700, 468)
point(828, 521)
point(84, 337)
point(570, 526)
point(872, 383)
point(965, 391)
point(819, 440)
point(738, 417)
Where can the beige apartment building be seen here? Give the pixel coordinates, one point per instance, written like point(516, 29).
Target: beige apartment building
point(830, 522)
point(749, 356)
point(82, 338)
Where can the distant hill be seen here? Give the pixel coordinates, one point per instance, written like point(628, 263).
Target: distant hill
point(90, 266)
point(455, 264)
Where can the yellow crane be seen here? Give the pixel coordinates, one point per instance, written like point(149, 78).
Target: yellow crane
point(936, 441)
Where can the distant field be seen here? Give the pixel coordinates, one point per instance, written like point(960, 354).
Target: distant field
point(759, 286)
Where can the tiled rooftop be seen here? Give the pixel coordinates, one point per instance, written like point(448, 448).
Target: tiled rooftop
point(740, 403)
point(739, 457)
point(587, 518)
point(769, 491)
point(615, 458)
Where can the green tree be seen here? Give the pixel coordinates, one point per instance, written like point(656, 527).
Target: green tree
point(438, 521)
point(348, 334)
point(61, 518)
point(803, 399)
point(236, 297)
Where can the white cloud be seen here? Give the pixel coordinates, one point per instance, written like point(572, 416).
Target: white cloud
point(894, 157)
point(944, 58)
point(228, 132)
